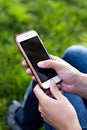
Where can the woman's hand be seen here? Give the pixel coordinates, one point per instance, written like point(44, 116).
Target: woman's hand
point(57, 111)
point(73, 81)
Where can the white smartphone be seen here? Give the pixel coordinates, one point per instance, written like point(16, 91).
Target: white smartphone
point(34, 51)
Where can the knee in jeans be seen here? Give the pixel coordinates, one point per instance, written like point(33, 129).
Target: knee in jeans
point(72, 51)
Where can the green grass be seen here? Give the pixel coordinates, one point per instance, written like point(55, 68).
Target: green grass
point(60, 24)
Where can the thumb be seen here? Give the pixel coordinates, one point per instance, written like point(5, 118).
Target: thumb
point(49, 64)
point(39, 93)
point(54, 90)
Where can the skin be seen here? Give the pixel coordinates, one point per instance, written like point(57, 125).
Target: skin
point(73, 81)
point(58, 111)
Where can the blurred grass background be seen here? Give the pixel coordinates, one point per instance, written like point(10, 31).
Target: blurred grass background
point(60, 24)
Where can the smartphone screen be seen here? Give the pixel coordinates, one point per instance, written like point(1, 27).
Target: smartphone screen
point(36, 52)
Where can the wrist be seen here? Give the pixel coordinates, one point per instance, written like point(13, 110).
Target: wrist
point(75, 126)
point(84, 79)
point(81, 87)
point(72, 126)
point(72, 122)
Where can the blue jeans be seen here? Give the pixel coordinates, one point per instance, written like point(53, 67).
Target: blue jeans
point(28, 116)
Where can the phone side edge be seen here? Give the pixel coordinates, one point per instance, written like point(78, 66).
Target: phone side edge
point(28, 62)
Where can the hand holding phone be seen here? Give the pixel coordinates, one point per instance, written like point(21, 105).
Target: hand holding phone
point(34, 51)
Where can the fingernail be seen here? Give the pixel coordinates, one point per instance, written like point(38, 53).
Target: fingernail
point(41, 64)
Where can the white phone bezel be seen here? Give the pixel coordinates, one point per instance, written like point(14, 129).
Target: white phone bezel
point(26, 35)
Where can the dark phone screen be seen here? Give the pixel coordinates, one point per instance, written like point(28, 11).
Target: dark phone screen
point(36, 52)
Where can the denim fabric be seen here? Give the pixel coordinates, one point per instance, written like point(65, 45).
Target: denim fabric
point(28, 117)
